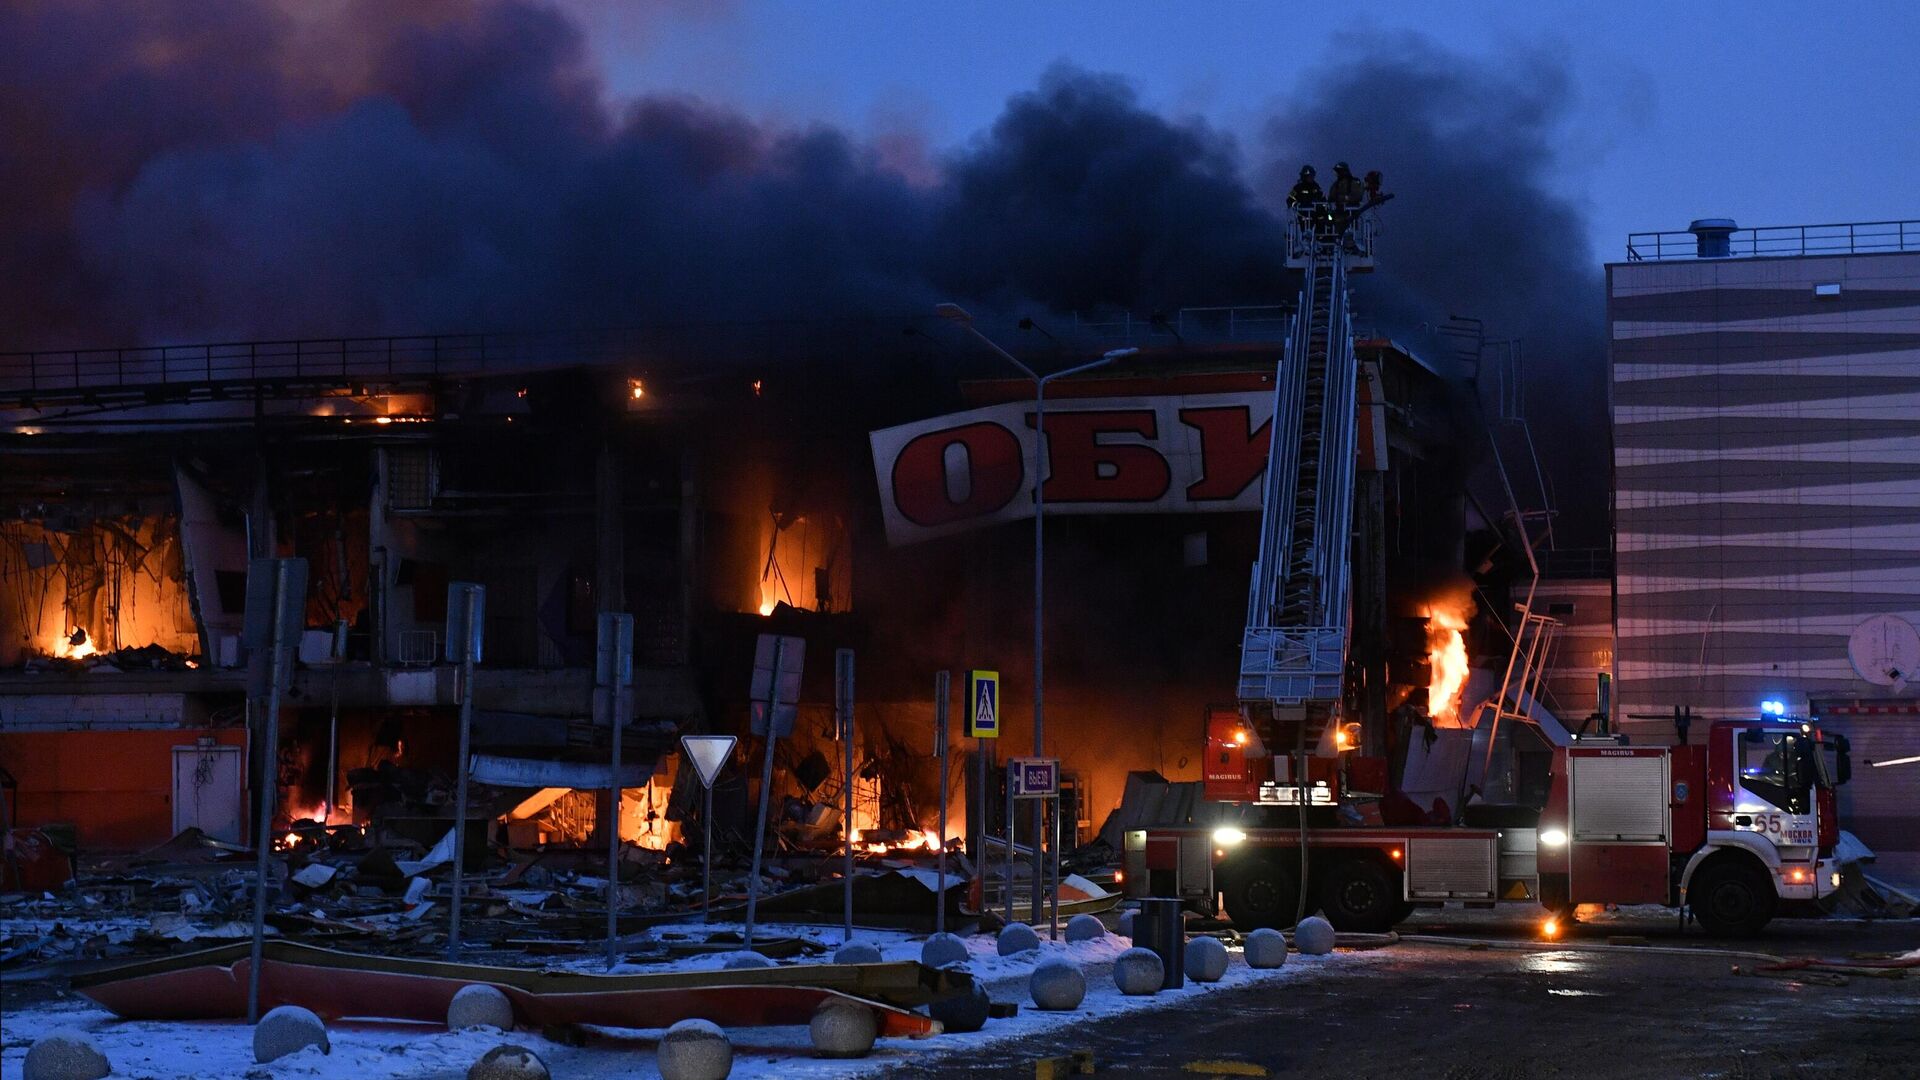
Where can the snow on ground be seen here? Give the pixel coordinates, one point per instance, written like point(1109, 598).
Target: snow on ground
point(182, 1050)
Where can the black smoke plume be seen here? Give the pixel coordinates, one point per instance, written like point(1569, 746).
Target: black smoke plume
point(1474, 230)
point(232, 169)
point(189, 172)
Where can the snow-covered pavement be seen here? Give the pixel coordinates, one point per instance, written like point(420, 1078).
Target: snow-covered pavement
point(165, 1051)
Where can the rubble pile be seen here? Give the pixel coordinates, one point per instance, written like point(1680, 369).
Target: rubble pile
point(386, 888)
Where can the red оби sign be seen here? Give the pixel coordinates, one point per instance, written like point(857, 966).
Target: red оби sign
point(1201, 452)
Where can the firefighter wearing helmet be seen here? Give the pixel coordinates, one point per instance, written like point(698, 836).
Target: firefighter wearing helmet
point(1306, 192)
point(1347, 192)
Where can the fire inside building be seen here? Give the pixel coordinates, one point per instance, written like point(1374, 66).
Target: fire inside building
point(886, 506)
point(581, 474)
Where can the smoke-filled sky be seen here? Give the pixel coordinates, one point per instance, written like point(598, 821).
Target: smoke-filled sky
point(234, 169)
point(239, 169)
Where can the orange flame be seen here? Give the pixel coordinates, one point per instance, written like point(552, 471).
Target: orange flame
point(65, 646)
point(1447, 655)
point(915, 838)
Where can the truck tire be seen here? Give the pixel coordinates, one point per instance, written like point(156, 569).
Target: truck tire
point(1358, 894)
point(1555, 896)
point(1732, 896)
point(1260, 892)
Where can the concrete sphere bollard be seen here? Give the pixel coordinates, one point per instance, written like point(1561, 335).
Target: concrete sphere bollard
point(1057, 984)
point(1266, 948)
point(1085, 928)
point(962, 1013)
point(1206, 959)
point(943, 949)
point(1018, 938)
point(856, 952)
point(1314, 936)
point(741, 961)
point(285, 1030)
point(694, 1050)
point(65, 1054)
point(843, 1029)
point(1125, 929)
point(1139, 972)
point(509, 1062)
point(479, 1005)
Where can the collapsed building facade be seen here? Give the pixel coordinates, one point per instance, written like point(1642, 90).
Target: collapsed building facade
point(771, 490)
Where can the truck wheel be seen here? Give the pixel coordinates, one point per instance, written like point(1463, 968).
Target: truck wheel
point(1261, 893)
point(1731, 897)
point(1555, 896)
point(1358, 894)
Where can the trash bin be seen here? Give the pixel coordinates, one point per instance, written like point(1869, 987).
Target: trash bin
point(1161, 927)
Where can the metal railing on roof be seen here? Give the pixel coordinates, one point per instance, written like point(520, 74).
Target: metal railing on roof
point(1781, 241)
point(322, 359)
point(1245, 322)
point(346, 360)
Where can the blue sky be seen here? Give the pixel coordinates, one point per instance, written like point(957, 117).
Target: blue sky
point(1771, 113)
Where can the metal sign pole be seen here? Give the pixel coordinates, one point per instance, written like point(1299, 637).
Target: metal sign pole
point(1053, 930)
point(843, 700)
point(766, 788)
point(469, 599)
point(941, 689)
point(615, 671)
point(269, 791)
point(1009, 779)
point(614, 793)
point(706, 861)
point(697, 752)
point(333, 738)
point(619, 628)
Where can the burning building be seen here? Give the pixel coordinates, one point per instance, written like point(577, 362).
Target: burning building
point(575, 475)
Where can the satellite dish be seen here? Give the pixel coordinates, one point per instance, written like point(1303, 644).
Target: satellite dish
point(1885, 651)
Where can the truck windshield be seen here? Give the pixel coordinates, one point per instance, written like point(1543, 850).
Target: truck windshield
point(1776, 766)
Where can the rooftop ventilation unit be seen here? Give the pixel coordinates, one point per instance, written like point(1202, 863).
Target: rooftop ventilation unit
point(1714, 237)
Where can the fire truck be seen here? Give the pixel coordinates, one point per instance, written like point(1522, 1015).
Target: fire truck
point(1734, 831)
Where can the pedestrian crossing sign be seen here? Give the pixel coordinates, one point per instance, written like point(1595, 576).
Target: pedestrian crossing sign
point(983, 704)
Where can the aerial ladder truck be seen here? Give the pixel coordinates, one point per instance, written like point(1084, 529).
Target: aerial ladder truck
point(1731, 830)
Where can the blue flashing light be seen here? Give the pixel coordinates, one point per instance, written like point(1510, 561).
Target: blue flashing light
point(1773, 708)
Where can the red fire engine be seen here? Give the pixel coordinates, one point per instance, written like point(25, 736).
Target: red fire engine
point(1732, 830)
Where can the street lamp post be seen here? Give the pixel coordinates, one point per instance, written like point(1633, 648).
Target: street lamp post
point(958, 315)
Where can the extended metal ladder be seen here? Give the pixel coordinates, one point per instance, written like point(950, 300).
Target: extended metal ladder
point(1294, 650)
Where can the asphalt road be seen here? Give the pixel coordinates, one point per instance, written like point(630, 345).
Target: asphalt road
point(1456, 1014)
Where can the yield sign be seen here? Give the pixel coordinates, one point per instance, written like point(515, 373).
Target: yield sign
point(708, 753)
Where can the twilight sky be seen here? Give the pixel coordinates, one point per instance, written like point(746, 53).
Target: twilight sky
point(1771, 113)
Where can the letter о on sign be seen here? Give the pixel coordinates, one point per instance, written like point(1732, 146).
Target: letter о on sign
point(983, 704)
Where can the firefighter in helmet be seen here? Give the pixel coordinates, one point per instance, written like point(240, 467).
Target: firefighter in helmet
point(1306, 192)
point(1346, 192)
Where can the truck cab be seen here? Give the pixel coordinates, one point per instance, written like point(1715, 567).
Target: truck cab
point(1731, 830)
